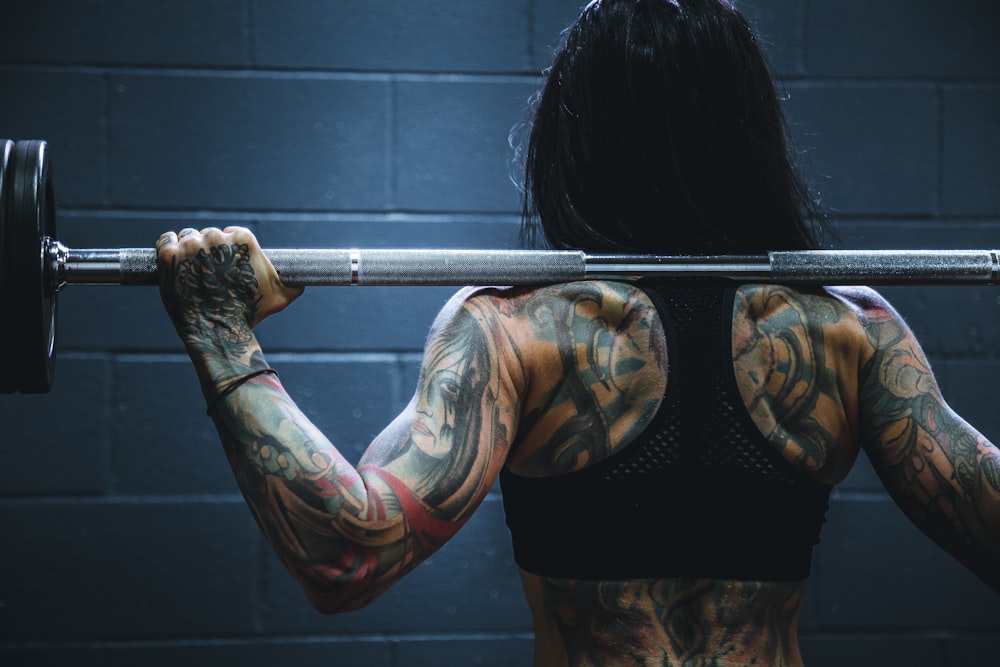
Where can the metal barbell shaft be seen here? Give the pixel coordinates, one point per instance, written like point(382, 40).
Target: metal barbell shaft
point(34, 266)
point(402, 267)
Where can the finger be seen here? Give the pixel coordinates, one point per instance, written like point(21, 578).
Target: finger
point(235, 228)
point(166, 238)
point(187, 231)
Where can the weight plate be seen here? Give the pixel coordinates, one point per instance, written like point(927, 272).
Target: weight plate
point(31, 223)
point(8, 346)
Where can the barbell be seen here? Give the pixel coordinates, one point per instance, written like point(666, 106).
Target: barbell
point(35, 267)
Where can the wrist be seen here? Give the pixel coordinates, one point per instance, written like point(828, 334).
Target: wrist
point(219, 363)
point(231, 385)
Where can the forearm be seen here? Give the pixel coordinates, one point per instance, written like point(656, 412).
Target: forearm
point(219, 365)
point(339, 536)
point(977, 480)
point(954, 497)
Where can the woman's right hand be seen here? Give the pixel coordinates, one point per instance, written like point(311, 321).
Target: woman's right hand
point(217, 282)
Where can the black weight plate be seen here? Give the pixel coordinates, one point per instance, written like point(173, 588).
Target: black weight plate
point(31, 222)
point(8, 348)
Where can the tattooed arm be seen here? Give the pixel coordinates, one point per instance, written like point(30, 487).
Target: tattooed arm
point(345, 533)
point(942, 472)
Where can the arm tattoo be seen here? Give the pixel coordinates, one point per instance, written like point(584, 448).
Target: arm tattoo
point(941, 471)
point(347, 534)
point(456, 416)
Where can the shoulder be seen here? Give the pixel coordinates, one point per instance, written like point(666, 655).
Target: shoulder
point(881, 325)
point(852, 301)
point(539, 307)
point(589, 357)
point(540, 322)
point(846, 327)
point(855, 312)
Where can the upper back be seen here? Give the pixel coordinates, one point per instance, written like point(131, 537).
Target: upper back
point(598, 364)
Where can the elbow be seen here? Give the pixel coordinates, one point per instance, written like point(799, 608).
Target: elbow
point(327, 610)
point(323, 605)
point(336, 590)
point(338, 600)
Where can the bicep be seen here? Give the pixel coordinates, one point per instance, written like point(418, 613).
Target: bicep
point(438, 459)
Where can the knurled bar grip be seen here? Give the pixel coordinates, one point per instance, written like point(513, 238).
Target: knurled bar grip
point(841, 267)
point(401, 267)
point(343, 267)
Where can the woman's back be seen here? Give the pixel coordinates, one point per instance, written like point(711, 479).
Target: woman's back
point(705, 557)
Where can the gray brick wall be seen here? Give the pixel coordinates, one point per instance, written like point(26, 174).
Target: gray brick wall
point(385, 123)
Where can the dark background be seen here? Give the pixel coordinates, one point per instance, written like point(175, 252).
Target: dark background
point(385, 123)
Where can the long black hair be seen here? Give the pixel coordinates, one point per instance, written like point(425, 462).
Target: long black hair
point(658, 130)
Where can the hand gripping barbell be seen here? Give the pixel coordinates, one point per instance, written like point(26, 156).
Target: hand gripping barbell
point(35, 266)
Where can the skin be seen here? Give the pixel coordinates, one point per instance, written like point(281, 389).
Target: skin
point(554, 379)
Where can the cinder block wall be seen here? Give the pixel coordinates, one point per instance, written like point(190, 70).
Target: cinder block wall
point(385, 123)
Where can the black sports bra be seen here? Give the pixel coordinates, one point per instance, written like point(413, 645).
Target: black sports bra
point(700, 493)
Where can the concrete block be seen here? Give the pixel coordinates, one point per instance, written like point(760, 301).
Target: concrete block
point(350, 400)
point(971, 160)
point(382, 35)
point(248, 652)
point(103, 318)
point(120, 570)
point(431, 231)
point(452, 145)
point(115, 32)
point(869, 150)
point(550, 20)
point(488, 652)
point(876, 570)
point(163, 443)
point(243, 142)
point(910, 234)
point(777, 24)
point(36, 106)
point(972, 651)
point(56, 444)
point(871, 650)
point(862, 477)
point(923, 38)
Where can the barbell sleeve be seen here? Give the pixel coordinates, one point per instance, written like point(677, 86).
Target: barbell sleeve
point(415, 267)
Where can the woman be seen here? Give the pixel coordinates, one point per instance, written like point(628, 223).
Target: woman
point(666, 449)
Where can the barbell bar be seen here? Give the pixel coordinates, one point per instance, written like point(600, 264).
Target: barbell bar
point(35, 267)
